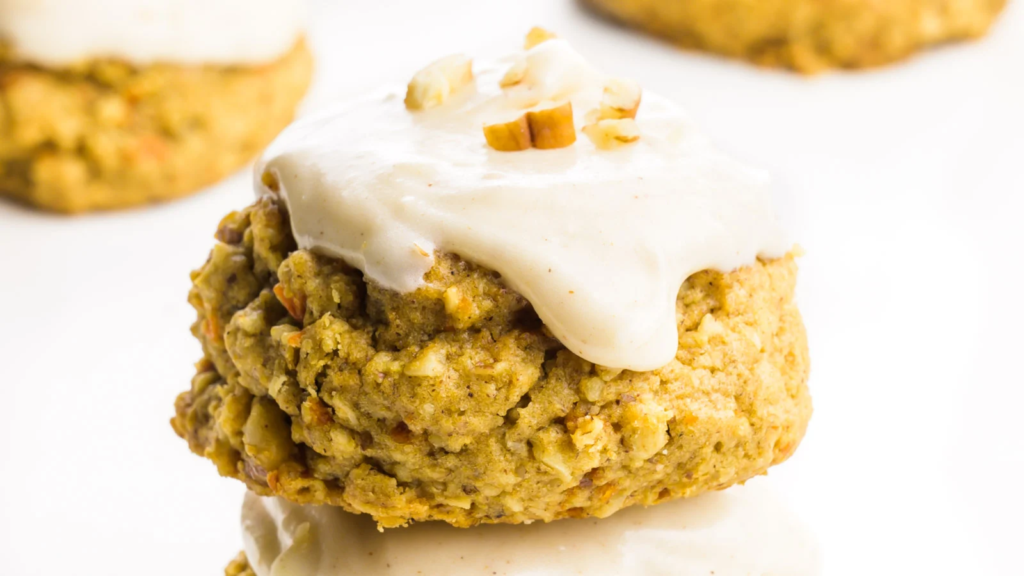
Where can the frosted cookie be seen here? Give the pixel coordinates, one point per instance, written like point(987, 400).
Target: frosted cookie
point(156, 103)
point(506, 292)
point(807, 35)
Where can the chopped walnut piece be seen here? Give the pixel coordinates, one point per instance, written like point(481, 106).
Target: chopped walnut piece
point(515, 74)
point(607, 134)
point(621, 99)
point(537, 35)
point(433, 85)
point(553, 127)
point(509, 136)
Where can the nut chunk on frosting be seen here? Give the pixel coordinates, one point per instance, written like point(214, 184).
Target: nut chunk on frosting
point(509, 136)
point(612, 133)
point(537, 35)
point(483, 160)
point(620, 99)
point(612, 124)
point(554, 127)
point(434, 84)
point(544, 129)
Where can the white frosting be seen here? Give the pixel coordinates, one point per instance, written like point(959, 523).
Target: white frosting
point(599, 241)
point(744, 531)
point(55, 32)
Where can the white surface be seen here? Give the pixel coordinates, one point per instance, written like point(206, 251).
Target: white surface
point(56, 32)
point(599, 241)
point(737, 532)
point(904, 185)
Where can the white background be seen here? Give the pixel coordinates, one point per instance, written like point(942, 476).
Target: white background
point(904, 185)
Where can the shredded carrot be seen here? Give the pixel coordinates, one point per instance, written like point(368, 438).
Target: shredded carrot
point(212, 328)
point(296, 306)
point(319, 412)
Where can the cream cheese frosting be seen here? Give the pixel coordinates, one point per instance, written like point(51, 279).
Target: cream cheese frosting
point(743, 531)
point(58, 32)
point(598, 240)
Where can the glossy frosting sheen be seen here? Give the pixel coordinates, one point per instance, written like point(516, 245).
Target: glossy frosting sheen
point(599, 241)
point(744, 531)
point(56, 32)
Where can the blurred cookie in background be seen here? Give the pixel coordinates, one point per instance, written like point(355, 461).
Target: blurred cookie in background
point(807, 35)
point(108, 104)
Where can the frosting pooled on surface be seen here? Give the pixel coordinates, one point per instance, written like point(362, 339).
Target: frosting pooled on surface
point(743, 531)
point(598, 240)
point(57, 32)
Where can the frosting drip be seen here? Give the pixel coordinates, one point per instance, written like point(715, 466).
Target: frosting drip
point(598, 240)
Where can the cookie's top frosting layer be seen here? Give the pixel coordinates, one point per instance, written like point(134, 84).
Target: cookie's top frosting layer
point(598, 239)
point(224, 32)
point(743, 531)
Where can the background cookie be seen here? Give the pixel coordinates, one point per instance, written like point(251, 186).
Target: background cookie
point(807, 35)
point(104, 134)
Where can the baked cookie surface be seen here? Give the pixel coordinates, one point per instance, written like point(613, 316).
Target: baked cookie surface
point(807, 35)
point(239, 566)
point(454, 403)
point(104, 134)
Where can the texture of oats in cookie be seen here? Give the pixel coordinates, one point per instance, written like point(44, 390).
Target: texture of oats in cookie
point(453, 402)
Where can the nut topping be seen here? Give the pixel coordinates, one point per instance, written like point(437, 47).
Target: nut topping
point(509, 136)
point(612, 133)
point(537, 35)
point(433, 85)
